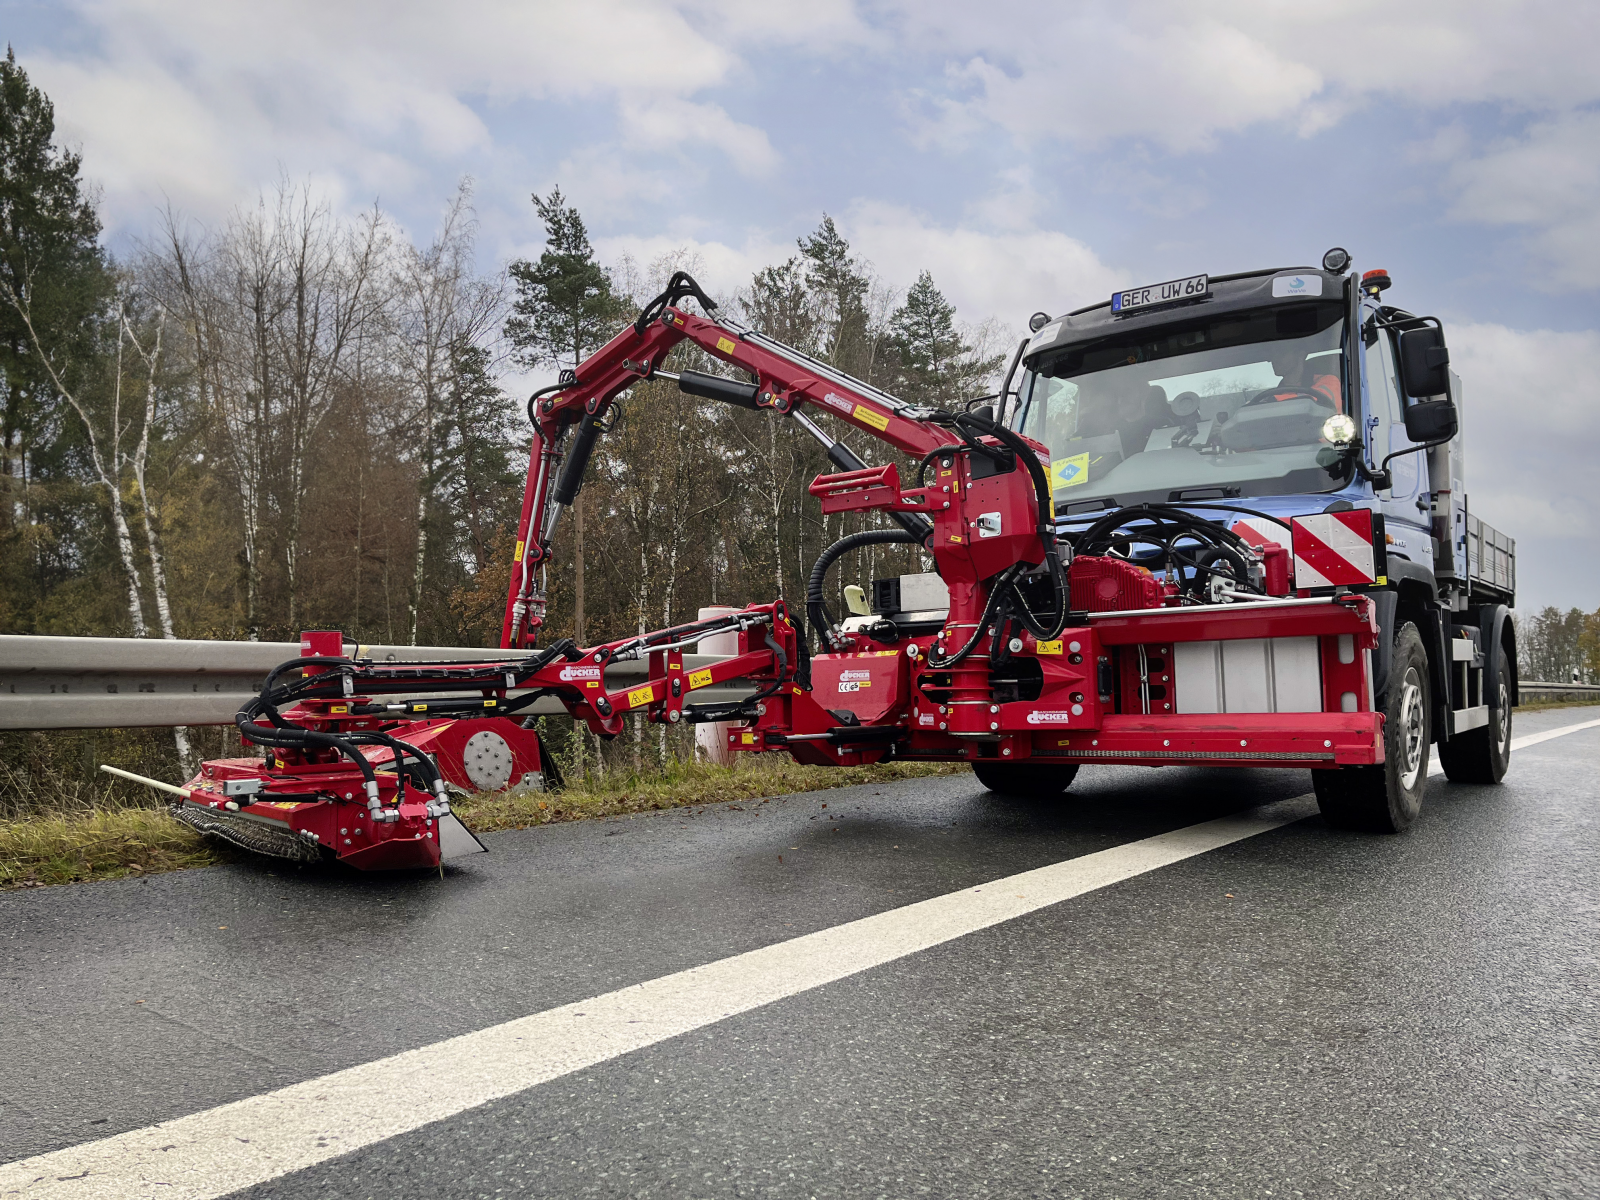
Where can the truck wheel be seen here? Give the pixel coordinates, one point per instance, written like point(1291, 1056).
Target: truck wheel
point(1036, 781)
point(1386, 798)
point(1482, 755)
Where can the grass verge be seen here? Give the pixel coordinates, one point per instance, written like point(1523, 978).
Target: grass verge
point(115, 841)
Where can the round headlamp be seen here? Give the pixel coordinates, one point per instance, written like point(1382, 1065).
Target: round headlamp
point(1339, 430)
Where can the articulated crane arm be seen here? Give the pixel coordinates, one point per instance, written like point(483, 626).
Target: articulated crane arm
point(786, 380)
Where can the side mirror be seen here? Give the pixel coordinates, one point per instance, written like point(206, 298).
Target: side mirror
point(1431, 420)
point(1425, 379)
point(1424, 362)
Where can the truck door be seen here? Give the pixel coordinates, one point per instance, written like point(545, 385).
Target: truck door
point(1406, 504)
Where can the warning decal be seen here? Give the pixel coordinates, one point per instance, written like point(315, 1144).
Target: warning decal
point(1333, 548)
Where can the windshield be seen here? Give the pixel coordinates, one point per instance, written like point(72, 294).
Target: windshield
point(1233, 405)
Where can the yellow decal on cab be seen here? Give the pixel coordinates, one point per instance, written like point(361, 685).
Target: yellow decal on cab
point(1070, 471)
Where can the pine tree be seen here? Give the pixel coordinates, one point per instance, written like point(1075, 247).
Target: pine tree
point(564, 311)
point(937, 365)
point(840, 284)
point(53, 269)
point(565, 307)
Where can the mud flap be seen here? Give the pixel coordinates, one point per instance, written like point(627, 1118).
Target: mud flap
point(456, 840)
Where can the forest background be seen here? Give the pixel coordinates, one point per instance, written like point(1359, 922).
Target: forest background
point(296, 420)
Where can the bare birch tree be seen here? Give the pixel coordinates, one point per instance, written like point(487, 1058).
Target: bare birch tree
point(441, 307)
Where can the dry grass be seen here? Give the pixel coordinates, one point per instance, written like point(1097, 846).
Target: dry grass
point(104, 844)
point(112, 840)
point(1538, 702)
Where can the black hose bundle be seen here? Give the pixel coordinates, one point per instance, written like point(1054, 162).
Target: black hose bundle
point(1007, 601)
point(816, 605)
point(391, 678)
point(1211, 549)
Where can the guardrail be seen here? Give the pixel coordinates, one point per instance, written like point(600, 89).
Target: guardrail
point(1584, 691)
point(117, 683)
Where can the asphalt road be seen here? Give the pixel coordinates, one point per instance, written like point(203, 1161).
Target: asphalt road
point(1300, 1013)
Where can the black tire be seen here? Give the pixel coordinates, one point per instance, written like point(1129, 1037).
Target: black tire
point(1387, 798)
point(1482, 755)
point(1034, 781)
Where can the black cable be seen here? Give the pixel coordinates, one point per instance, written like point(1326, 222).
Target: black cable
point(816, 605)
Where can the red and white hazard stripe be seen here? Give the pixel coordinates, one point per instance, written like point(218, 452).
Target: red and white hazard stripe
point(1259, 531)
point(1333, 548)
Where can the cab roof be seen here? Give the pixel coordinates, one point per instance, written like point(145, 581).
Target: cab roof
point(1225, 293)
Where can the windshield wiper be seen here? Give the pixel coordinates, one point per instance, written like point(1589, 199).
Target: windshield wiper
point(1209, 492)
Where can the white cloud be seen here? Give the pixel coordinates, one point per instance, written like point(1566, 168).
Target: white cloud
point(1005, 274)
point(1547, 181)
point(1180, 74)
point(722, 268)
point(1531, 416)
point(192, 100)
point(987, 273)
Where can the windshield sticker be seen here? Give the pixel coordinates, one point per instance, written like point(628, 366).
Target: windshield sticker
point(1046, 335)
point(1297, 285)
point(1069, 472)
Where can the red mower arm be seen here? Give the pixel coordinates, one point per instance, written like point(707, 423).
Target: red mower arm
point(785, 380)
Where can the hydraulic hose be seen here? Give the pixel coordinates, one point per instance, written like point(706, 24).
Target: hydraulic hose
point(816, 606)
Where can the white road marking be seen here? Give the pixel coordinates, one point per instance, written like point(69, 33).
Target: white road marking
point(1533, 739)
point(221, 1150)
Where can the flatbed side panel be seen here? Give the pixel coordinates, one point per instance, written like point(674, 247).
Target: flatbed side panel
point(1491, 556)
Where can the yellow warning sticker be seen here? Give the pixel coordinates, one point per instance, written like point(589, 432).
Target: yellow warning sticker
point(1050, 647)
point(699, 679)
point(725, 345)
point(871, 417)
point(1069, 472)
point(521, 546)
point(490, 703)
point(640, 696)
point(419, 708)
point(749, 739)
point(955, 537)
point(340, 708)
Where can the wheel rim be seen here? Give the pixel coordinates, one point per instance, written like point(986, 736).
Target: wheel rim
point(1413, 729)
point(1502, 718)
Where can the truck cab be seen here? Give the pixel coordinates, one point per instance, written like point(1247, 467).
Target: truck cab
point(1280, 393)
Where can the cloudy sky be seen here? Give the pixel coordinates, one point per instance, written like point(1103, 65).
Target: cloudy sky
point(1031, 155)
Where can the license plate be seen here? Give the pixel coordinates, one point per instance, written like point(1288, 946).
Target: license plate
point(1159, 293)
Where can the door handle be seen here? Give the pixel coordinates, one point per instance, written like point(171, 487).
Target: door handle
point(1424, 502)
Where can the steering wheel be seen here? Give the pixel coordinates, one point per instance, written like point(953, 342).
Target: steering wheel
point(1274, 394)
